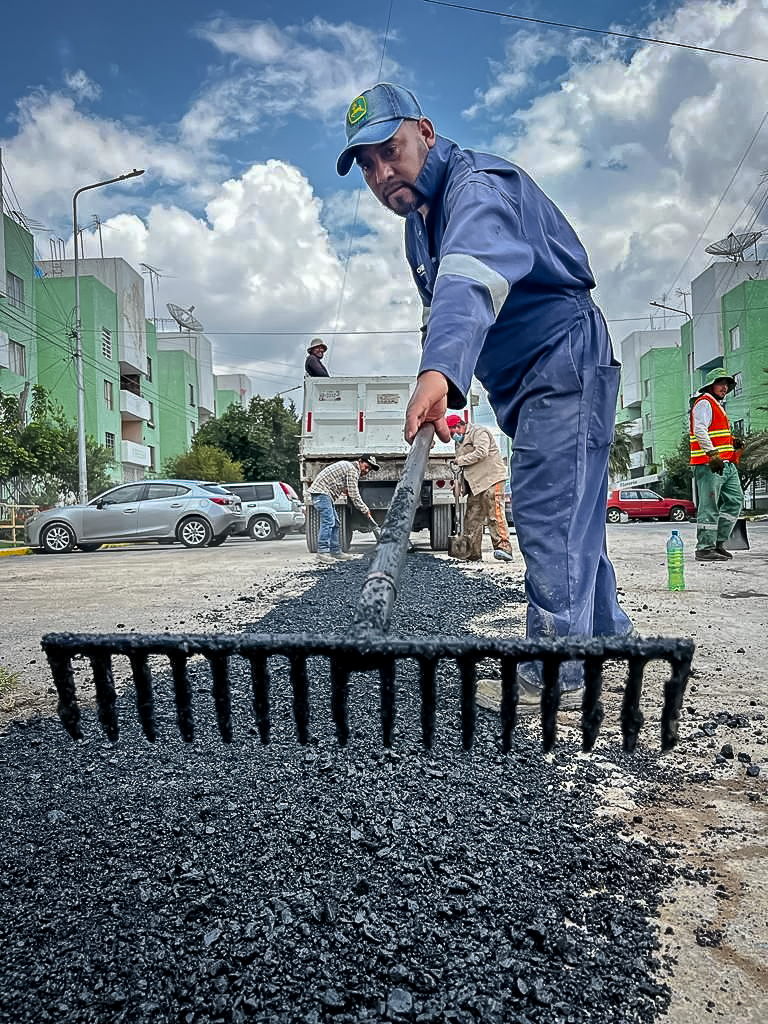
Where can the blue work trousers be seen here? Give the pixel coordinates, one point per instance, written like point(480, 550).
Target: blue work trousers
point(566, 410)
point(328, 536)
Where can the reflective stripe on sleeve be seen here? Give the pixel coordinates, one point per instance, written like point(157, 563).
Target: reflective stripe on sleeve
point(462, 265)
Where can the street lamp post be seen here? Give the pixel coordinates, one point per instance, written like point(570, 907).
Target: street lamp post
point(82, 469)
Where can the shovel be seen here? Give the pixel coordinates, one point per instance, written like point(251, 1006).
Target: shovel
point(447, 666)
point(738, 541)
point(458, 544)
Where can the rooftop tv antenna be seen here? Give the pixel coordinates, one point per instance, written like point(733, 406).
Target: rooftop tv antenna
point(154, 283)
point(733, 246)
point(184, 318)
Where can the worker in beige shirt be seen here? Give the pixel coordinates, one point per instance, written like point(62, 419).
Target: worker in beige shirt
point(478, 456)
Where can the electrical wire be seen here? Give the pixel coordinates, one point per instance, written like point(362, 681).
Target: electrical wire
point(599, 31)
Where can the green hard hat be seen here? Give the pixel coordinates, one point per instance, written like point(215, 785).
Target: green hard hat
point(719, 373)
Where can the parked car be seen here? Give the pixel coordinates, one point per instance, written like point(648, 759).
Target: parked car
point(640, 503)
point(270, 509)
point(196, 514)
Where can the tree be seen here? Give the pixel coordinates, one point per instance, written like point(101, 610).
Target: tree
point(676, 480)
point(204, 462)
point(39, 459)
point(264, 438)
point(619, 456)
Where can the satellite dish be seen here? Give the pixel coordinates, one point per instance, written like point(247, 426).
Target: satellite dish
point(734, 245)
point(183, 317)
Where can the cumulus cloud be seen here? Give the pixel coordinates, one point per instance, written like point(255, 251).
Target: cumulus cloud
point(82, 86)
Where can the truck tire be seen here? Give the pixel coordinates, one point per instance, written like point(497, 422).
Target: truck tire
point(312, 528)
point(440, 527)
point(345, 528)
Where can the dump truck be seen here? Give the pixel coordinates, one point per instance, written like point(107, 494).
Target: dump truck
point(345, 417)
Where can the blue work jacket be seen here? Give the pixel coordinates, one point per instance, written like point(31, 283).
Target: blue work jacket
point(500, 271)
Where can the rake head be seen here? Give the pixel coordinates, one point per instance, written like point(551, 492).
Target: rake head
point(379, 657)
point(367, 649)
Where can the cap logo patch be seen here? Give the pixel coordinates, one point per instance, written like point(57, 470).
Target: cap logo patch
point(358, 109)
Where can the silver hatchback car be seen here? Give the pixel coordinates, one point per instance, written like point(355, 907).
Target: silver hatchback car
point(196, 514)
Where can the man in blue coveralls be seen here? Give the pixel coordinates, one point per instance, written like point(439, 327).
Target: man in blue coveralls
point(505, 284)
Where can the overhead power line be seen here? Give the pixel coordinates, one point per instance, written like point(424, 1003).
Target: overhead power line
point(599, 31)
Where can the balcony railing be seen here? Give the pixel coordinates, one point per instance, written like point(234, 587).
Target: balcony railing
point(133, 407)
point(134, 454)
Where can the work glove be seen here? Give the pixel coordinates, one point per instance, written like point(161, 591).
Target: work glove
point(716, 464)
point(738, 443)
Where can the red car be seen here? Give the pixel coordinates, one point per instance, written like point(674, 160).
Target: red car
point(640, 503)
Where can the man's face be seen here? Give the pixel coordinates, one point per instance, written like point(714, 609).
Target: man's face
point(390, 168)
point(317, 351)
point(364, 468)
point(720, 389)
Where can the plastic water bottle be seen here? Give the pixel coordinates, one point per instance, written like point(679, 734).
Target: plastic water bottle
point(675, 562)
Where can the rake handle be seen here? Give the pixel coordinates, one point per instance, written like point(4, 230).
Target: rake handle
point(377, 598)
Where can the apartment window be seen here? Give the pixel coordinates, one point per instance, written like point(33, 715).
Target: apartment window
point(738, 427)
point(109, 395)
point(109, 441)
point(647, 421)
point(151, 450)
point(192, 428)
point(151, 417)
point(17, 358)
point(149, 368)
point(14, 289)
point(646, 387)
point(690, 363)
point(106, 343)
point(735, 334)
point(739, 385)
point(191, 394)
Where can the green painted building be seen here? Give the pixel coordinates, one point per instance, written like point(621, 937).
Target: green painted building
point(18, 316)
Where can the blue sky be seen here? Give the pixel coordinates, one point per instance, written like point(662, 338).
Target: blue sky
point(236, 113)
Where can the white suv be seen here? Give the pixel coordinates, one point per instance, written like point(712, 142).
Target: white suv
point(270, 510)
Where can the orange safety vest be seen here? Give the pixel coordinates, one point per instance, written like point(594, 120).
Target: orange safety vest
point(719, 432)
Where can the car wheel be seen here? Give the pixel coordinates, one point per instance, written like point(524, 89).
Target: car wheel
point(261, 528)
point(677, 514)
point(57, 539)
point(280, 534)
point(216, 542)
point(195, 532)
point(614, 515)
point(88, 548)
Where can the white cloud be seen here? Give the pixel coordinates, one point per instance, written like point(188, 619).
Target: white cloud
point(307, 71)
point(82, 86)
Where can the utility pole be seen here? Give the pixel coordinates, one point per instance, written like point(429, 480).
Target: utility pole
point(82, 469)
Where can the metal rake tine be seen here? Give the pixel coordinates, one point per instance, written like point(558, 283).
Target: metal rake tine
point(106, 697)
point(340, 700)
point(550, 701)
point(428, 700)
point(261, 683)
point(222, 696)
point(64, 681)
point(182, 688)
point(674, 691)
point(631, 715)
point(468, 708)
point(592, 707)
point(300, 696)
point(145, 704)
point(387, 678)
point(509, 693)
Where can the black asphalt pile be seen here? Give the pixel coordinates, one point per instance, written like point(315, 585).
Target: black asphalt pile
point(236, 883)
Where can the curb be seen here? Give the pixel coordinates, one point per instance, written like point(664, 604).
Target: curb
point(15, 551)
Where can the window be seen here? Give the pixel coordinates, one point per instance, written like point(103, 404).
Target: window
point(14, 289)
point(109, 441)
point(690, 363)
point(739, 385)
point(17, 358)
point(109, 395)
point(191, 394)
point(151, 456)
point(646, 387)
point(106, 343)
point(735, 335)
point(149, 368)
point(157, 491)
point(738, 426)
point(647, 420)
point(192, 428)
point(122, 495)
point(151, 417)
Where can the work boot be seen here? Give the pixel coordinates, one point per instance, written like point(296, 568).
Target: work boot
point(326, 558)
point(529, 697)
point(503, 556)
point(710, 555)
point(723, 550)
point(341, 556)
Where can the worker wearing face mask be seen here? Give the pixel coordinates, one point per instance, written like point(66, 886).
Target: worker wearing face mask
point(479, 458)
